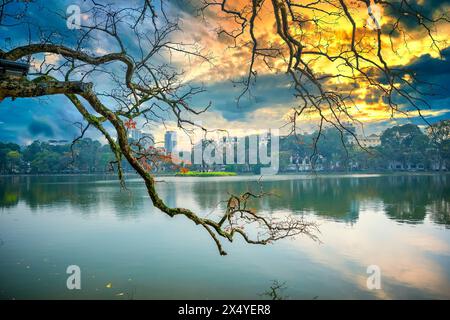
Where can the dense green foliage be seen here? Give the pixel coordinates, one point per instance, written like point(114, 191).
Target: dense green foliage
point(404, 147)
point(86, 155)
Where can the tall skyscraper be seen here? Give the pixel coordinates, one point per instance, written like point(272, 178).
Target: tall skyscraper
point(170, 141)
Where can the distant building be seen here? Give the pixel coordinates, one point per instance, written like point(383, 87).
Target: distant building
point(304, 164)
point(371, 141)
point(13, 69)
point(135, 134)
point(170, 141)
point(349, 131)
point(186, 158)
point(408, 166)
point(147, 140)
point(58, 142)
point(160, 149)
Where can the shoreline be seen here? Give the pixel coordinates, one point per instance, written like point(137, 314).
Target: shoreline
point(304, 173)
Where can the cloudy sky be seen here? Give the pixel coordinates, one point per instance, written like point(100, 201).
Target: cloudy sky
point(271, 97)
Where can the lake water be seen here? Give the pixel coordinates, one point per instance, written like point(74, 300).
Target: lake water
point(127, 249)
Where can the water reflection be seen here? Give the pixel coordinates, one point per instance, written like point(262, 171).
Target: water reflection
point(397, 222)
point(405, 198)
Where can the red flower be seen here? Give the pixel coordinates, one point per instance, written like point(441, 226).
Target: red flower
point(130, 124)
point(184, 170)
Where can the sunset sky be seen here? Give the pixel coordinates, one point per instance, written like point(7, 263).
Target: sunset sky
point(272, 95)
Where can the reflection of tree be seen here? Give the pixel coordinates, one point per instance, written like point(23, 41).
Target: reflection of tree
point(405, 198)
point(440, 212)
point(409, 196)
point(81, 192)
point(40, 191)
point(126, 204)
point(9, 192)
point(208, 194)
point(330, 197)
point(170, 195)
point(275, 291)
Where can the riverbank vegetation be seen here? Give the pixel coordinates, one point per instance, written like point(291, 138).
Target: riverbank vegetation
point(399, 148)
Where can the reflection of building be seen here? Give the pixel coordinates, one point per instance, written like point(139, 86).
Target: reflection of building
point(170, 141)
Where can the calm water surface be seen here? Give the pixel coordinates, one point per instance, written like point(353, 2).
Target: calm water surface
point(400, 223)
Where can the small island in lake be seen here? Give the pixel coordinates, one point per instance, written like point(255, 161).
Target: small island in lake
point(205, 174)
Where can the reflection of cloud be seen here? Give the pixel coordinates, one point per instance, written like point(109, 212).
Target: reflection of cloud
point(405, 255)
point(430, 244)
